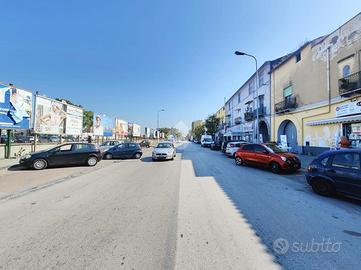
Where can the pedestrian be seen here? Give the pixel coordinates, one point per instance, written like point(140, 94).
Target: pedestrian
point(89, 139)
point(344, 142)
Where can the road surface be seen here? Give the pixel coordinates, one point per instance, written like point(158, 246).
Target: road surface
point(199, 211)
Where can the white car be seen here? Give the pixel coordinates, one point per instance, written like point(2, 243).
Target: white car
point(164, 151)
point(232, 147)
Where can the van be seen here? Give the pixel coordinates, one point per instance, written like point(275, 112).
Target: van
point(206, 140)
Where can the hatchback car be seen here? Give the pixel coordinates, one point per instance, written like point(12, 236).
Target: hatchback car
point(124, 150)
point(337, 171)
point(108, 144)
point(233, 147)
point(63, 155)
point(267, 156)
point(163, 151)
point(145, 143)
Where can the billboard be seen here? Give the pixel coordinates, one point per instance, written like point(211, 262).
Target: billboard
point(15, 107)
point(50, 116)
point(121, 128)
point(74, 120)
point(147, 132)
point(103, 125)
point(136, 130)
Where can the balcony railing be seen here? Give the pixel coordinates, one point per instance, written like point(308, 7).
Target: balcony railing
point(237, 120)
point(286, 105)
point(261, 111)
point(350, 84)
point(248, 116)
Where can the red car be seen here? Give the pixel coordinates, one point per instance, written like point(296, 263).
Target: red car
point(267, 155)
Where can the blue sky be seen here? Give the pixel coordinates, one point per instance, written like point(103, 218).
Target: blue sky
point(130, 58)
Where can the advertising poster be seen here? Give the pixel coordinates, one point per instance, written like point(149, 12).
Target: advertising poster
point(50, 116)
point(130, 129)
point(103, 125)
point(74, 120)
point(136, 130)
point(15, 107)
point(121, 127)
point(147, 132)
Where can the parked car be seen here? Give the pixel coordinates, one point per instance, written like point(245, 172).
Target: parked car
point(216, 146)
point(267, 155)
point(124, 150)
point(63, 155)
point(206, 140)
point(54, 139)
point(163, 151)
point(336, 171)
point(145, 143)
point(224, 145)
point(108, 144)
point(232, 148)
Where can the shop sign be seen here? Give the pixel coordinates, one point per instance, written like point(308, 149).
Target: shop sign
point(248, 127)
point(348, 108)
point(356, 128)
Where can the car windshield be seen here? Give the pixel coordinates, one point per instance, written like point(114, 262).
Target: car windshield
point(207, 139)
point(274, 148)
point(164, 145)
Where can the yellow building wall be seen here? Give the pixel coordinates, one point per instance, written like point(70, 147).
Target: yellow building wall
point(318, 136)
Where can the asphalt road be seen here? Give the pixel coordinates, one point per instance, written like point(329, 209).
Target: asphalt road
point(197, 212)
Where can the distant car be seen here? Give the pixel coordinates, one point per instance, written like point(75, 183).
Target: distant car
point(163, 151)
point(123, 151)
point(216, 146)
point(267, 156)
point(63, 155)
point(108, 144)
point(336, 171)
point(232, 148)
point(54, 138)
point(145, 143)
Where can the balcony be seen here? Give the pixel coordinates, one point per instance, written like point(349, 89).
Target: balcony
point(238, 120)
point(261, 111)
point(350, 85)
point(248, 116)
point(286, 105)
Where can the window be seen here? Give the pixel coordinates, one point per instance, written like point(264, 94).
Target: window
point(132, 145)
point(65, 148)
point(261, 101)
point(248, 147)
point(298, 57)
point(239, 97)
point(260, 81)
point(259, 149)
point(121, 146)
point(287, 91)
point(250, 88)
point(324, 161)
point(82, 147)
point(346, 71)
point(347, 160)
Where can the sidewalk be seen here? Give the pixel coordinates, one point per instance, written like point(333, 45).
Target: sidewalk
point(6, 163)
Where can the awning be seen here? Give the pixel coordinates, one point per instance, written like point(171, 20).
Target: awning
point(336, 120)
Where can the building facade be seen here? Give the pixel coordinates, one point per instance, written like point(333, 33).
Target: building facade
point(221, 115)
point(317, 92)
point(241, 109)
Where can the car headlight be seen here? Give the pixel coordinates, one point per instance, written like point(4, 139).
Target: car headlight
point(26, 156)
point(284, 158)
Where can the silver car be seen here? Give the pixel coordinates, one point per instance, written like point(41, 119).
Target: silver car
point(105, 146)
point(164, 151)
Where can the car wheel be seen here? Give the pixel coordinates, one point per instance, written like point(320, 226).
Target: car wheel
point(322, 187)
point(275, 167)
point(40, 164)
point(138, 155)
point(92, 161)
point(239, 161)
point(108, 156)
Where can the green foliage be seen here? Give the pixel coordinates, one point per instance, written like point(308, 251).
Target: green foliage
point(87, 120)
point(171, 131)
point(211, 124)
point(199, 131)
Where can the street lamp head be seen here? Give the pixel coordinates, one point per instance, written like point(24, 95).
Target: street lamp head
point(239, 53)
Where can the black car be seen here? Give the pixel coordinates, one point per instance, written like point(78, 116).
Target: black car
point(124, 150)
point(337, 171)
point(145, 143)
point(63, 155)
point(216, 146)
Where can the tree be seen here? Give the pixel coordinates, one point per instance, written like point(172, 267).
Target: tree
point(199, 131)
point(171, 131)
point(87, 120)
point(212, 123)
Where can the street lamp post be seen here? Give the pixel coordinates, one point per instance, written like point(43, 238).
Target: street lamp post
point(162, 110)
point(257, 86)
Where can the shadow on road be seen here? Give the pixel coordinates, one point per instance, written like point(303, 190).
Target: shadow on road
point(146, 159)
point(16, 168)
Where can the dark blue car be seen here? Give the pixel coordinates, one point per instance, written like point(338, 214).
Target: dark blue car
point(337, 171)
